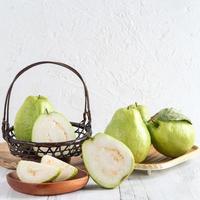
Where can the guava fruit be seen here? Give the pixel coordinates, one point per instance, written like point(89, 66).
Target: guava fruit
point(52, 127)
point(172, 133)
point(107, 160)
point(33, 172)
point(32, 107)
point(128, 126)
point(144, 111)
point(66, 170)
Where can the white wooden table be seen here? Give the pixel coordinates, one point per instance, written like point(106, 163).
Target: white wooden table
point(179, 183)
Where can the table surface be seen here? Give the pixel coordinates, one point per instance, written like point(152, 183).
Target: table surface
point(180, 182)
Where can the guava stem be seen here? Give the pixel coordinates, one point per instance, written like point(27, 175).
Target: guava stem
point(89, 136)
point(130, 106)
point(152, 118)
point(47, 111)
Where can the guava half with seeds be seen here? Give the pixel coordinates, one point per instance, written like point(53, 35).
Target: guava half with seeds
point(172, 133)
point(33, 172)
point(52, 127)
point(107, 160)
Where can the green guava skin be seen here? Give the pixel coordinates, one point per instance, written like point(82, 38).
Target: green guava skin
point(26, 116)
point(173, 138)
point(144, 111)
point(128, 126)
point(54, 177)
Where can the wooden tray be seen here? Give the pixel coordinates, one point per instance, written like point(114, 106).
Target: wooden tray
point(51, 188)
point(156, 161)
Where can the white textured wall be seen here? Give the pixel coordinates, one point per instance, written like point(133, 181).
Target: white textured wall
point(142, 50)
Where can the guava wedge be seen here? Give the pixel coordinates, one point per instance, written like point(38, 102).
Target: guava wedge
point(172, 133)
point(33, 172)
point(66, 170)
point(107, 160)
point(128, 127)
point(26, 116)
point(52, 127)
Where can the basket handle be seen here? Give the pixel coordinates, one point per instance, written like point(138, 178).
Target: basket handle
point(86, 114)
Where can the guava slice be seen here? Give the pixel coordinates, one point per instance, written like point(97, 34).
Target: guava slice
point(107, 160)
point(26, 116)
point(67, 171)
point(33, 172)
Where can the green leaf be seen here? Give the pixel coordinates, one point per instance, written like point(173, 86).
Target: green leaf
point(169, 114)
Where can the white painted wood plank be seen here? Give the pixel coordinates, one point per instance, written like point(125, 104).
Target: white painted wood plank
point(91, 191)
point(7, 193)
point(132, 188)
point(181, 182)
point(190, 177)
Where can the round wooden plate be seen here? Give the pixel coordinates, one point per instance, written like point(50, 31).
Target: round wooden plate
point(51, 188)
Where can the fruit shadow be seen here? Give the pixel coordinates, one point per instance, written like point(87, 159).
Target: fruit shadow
point(93, 187)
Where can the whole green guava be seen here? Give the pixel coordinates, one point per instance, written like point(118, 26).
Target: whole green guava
point(144, 111)
point(172, 133)
point(26, 116)
point(128, 126)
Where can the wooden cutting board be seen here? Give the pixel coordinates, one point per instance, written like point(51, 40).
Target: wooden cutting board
point(7, 160)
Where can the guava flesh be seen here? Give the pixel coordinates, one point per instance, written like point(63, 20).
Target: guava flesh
point(107, 160)
point(66, 170)
point(52, 127)
point(33, 172)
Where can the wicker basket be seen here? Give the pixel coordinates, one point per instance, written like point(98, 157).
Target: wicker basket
point(61, 150)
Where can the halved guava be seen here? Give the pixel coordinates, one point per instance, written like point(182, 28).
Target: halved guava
point(52, 127)
point(67, 170)
point(107, 160)
point(33, 172)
